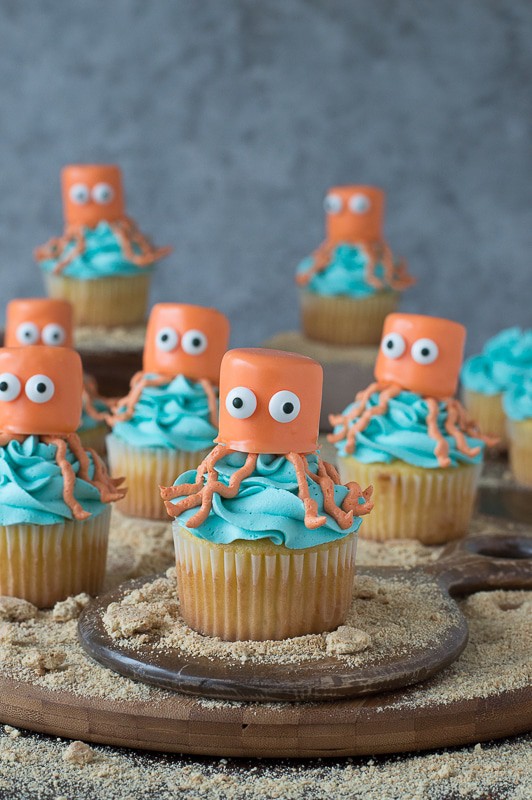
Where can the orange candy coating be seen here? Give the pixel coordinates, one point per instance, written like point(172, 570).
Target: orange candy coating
point(186, 340)
point(269, 427)
point(39, 313)
point(354, 214)
point(40, 390)
point(92, 193)
point(432, 354)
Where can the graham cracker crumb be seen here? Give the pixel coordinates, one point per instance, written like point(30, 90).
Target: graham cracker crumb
point(70, 608)
point(42, 662)
point(346, 640)
point(78, 753)
point(14, 609)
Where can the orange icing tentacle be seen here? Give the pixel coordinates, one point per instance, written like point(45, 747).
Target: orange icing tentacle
point(72, 234)
point(110, 489)
point(365, 418)
point(386, 259)
point(452, 426)
point(321, 257)
point(129, 235)
point(69, 477)
point(441, 451)
point(132, 398)
point(331, 471)
point(359, 406)
point(401, 277)
point(74, 442)
point(352, 499)
point(214, 486)
point(211, 398)
point(371, 251)
point(344, 518)
point(312, 520)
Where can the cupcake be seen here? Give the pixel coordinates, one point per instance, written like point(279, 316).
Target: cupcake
point(351, 282)
point(505, 360)
point(102, 263)
point(168, 421)
point(42, 321)
point(517, 404)
point(54, 495)
point(265, 535)
point(410, 438)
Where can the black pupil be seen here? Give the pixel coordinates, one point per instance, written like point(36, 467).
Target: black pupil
point(55, 336)
point(288, 408)
point(238, 402)
point(196, 341)
point(389, 344)
point(41, 388)
point(164, 337)
point(28, 334)
point(4, 386)
point(425, 351)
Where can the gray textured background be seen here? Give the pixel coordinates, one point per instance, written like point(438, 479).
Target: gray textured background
point(231, 118)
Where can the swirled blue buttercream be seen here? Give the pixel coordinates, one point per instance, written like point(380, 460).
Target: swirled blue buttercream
point(505, 359)
point(102, 257)
point(344, 275)
point(517, 401)
point(88, 423)
point(31, 485)
point(401, 434)
point(267, 506)
point(174, 416)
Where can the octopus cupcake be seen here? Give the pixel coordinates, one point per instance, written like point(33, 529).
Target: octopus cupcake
point(410, 438)
point(517, 404)
point(54, 495)
point(505, 360)
point(41, 321)
point(102, 263)
point(351, 282)
point(265, 534)
point(168, 421)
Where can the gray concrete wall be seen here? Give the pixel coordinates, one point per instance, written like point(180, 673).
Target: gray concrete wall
point(230, 118)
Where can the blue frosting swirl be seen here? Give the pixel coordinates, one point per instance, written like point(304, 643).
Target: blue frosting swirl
point(88, 423)
point(174, 416)
point(102, 257)
point(505, 360)
point(267, 506)
point(344, 275)
point(517, 401)
point(31, 485)
point(401, 435)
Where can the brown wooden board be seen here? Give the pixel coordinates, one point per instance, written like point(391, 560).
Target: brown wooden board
point(478, 563)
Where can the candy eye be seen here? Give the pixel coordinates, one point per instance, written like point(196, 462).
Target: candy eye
point(241, 402)
point(79, 194)
point(103, 193)
point(425, 351)
point(393, 345)
point(284, 406)
point(167, 339)
point(9, 387)
point(333, 204)
point(359, 204)
point(27, 333)
point(53, 334)
point(39, 388)
point(194, 342)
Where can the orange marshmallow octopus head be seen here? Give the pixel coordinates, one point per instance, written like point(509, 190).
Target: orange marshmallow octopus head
point(36, 320)
point(40, 390)
point(92, 193)
point(270, 402)
point(421, 354)
point(354, 214)
point(186, 340)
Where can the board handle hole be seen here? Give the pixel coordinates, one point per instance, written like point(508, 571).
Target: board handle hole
point(514, 549)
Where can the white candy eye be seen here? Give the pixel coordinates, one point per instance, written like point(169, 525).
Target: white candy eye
point(194, 342)
point(103, 193)
point(425, 351)
point(39, 388)
point(53, 334)
point(393, 345)
point(359, 204)
point(333, 204)
point(167, 339)
point(28, 333)
point(79, 194)
point(284, 406)
point(241, 402)
point(9, 387)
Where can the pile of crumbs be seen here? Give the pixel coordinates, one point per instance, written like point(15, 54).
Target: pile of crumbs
point(389, 617)
point(51, 769)
point(97, 338)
